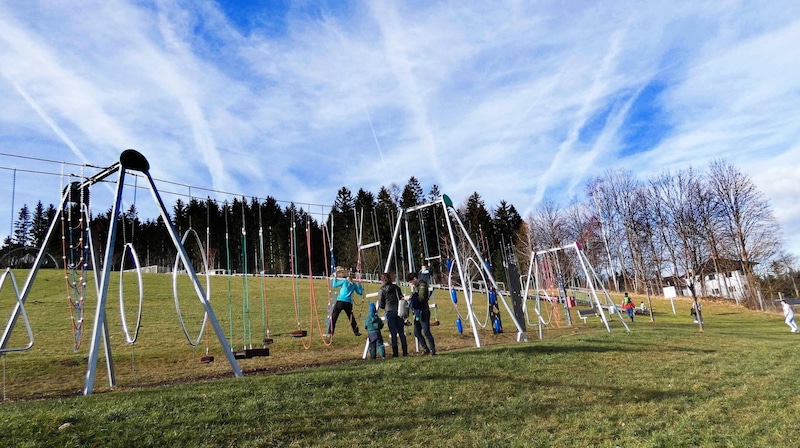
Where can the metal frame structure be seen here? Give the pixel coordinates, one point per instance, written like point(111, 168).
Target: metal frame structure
point(593, 283)
point(129, 160)
point(452, 216)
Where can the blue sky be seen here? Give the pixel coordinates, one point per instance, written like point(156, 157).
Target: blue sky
point(515, 100)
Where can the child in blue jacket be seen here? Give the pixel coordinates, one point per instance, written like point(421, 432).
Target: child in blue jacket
point(373, 324)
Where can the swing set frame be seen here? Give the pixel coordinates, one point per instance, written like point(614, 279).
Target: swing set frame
point(130, 160)
point(593, 285)
point(454, 224)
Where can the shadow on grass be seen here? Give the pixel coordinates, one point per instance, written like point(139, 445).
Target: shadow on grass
point(595, 347)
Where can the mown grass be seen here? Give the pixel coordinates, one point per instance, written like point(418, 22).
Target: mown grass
point(663, 384)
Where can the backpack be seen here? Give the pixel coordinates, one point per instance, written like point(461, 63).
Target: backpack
point(417, 302)
point(414, 301)
point(402, 305)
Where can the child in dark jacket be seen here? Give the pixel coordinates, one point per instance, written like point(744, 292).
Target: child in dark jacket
point(373, 324)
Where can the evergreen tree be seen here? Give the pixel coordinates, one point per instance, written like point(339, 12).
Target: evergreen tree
point(39, 224)
point(412, 193)
point(23, 227)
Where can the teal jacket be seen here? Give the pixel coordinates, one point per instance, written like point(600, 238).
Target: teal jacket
point(373, 323)
point(347, 289)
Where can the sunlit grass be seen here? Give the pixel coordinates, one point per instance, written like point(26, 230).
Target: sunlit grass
point(663, 384)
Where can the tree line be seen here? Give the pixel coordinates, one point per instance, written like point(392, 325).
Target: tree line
point(639, 234)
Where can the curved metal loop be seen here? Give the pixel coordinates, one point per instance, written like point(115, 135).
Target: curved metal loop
point(450, 287)
point(483, 277)
point(192, 342)
point(9, 274)
point(129, 248)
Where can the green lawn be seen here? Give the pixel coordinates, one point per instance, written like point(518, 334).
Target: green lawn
point(663, 384)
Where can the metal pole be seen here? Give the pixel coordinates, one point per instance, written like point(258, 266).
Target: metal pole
point(195, 281)
point(100, 311)
point(521, 333)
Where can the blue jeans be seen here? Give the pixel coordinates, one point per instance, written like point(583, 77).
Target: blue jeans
point(396, 328)
point(422, 326)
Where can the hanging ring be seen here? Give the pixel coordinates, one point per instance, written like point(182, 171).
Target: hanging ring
point(129, 248)
point(192, 342)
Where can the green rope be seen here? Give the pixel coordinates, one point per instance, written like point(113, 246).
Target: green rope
point(230, 296)
point(247, 329)
point(263, 268)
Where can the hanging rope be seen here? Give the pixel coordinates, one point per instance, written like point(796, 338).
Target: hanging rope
point(247, 329)
point(14, 195)
point(75, 256)
point(229, 275)
point(267, 338)
point(330, 291)
point(193, 342)
point(429, 276)
point(312, 299)
point(299, 333)
point(207, 358)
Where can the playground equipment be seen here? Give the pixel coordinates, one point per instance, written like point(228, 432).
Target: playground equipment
point(77, 255)
point(550, 289)
point(129, 161)
point(247, 351)
point(459, 265)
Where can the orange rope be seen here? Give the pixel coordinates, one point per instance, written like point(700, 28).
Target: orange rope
point(292, 257)
point(329, 342)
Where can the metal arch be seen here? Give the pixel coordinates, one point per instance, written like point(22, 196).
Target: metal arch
point(470, 296)
point(192, 342)
point(9, 274)
point(32, 249)
point(129, 248)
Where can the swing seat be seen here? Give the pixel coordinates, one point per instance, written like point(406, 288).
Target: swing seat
point(251, 353)
point(268, 341)
point(585, 314)
point(434, 323)
point(299, 333)
point(206, 359)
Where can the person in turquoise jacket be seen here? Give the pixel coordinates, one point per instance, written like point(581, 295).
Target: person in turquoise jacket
point(344, 300)
point(373, 324)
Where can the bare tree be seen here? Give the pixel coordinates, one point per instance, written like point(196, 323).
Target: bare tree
point(600, 195)
point(548, 226)
point(784, 265)
point(750, 231)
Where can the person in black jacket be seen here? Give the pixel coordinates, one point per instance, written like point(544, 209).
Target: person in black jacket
point(389, 298)
point(422, 313)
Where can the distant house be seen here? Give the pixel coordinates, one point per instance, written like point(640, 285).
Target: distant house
point(730, 282)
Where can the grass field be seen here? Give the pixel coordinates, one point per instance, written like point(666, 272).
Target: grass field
point(663, 384)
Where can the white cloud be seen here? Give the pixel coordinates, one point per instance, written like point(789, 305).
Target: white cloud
point(515, 100)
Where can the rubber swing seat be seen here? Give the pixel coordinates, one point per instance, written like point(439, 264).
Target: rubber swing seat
point(251, 353)
point(206, 359)
point(299, 333)
point(434, 323)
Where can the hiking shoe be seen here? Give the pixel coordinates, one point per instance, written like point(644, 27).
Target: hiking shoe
point(357, 333)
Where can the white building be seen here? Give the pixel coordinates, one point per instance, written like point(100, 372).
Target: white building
point(730, 282)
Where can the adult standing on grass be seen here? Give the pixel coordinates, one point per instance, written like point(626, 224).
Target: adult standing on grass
point(344, 300)
point(389, 297)
point(420, 293)
point(788, 313)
